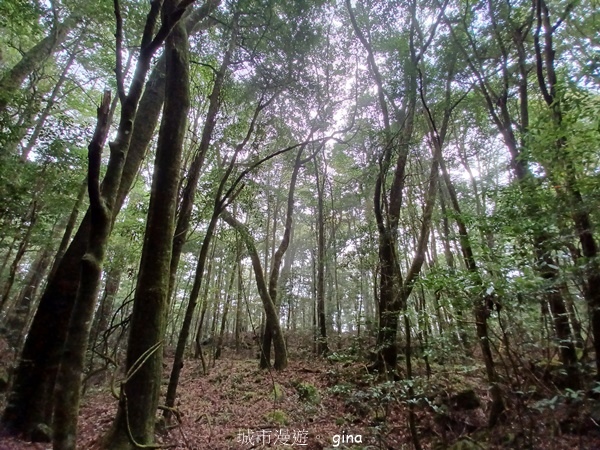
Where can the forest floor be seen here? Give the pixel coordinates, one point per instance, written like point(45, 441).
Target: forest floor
point(326, 404)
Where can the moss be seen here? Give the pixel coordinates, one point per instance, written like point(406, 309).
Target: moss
point(308, 393)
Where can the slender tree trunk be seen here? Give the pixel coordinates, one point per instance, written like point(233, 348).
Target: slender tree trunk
point(268, 305)
point(102, 315)
point(19, 315)
point(8, 284)
point(69, 227)
point(238, 307)
point(189, 314)
point(8, 254)
point(228, 295)
point(548, 81)
point(267, 337)
point(199, 329)
point(49, 105)
point(322, 348)
point(193, 175)
point(25, 121)
point(498, 109)
point(480, 308)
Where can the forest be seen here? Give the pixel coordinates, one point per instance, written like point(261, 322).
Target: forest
point(241, 224)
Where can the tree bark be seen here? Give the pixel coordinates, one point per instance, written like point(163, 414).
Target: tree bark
point(69, 227)
point(228, 295)
point(322, 348)
point(135, 420)
point(498, 109)
point(547, 82)
point(68, 386)
point(30, 219)
point(19, 315)
point(193, 175)
point(265, 357)
point(46, 111)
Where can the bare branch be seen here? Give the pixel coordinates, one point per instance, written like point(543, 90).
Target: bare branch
point(119, 51)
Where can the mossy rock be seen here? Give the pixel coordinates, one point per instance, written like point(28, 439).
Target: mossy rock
point(276, 417)
point(308, 393)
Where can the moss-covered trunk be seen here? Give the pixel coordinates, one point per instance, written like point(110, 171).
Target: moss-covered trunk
point(135, 420)
point(29, 401)
point(68, 387)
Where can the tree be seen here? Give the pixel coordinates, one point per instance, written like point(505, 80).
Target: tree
point(139, 392)
point(30, 399)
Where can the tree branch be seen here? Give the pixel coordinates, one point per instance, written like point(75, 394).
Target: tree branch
point(95, 152)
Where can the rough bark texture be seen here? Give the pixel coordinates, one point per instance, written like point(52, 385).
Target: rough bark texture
point(134, 424)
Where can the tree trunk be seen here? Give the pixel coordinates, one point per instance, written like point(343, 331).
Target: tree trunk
point(193, 175)
point(135, 421)
point(102, 315)
point(49, 105)
point(69, 227)
point(19, 315)
point(29, 400)
point(31, 218)
point(189, 315)
point(322, 348)
point(498, 109)
point(267, 339)
point(238, 307)
point(547, 82)
point(228, 295)
point(68, 386)
point(268, 305)
point(480, 308)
